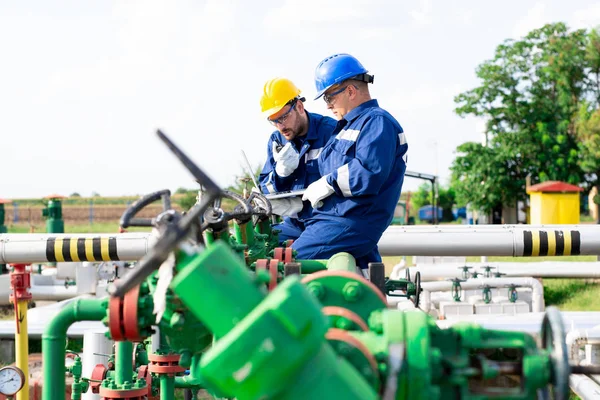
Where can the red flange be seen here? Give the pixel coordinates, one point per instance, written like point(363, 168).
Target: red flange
point(144, 373)
point(262, 264)
point(130, 315)
point(115, 319)
point(278, 253)
point(345, 313)
point(288, 256)
point(129, 394)
point(20, 282)
point(123, 321)
point(273, 266)
point(289, 242)
point(164, 364)
point(340, 335)
point(98, 374)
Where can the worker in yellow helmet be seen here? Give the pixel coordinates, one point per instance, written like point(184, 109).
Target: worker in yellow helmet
point(292, 151)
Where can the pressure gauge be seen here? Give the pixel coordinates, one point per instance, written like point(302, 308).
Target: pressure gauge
point(106, 271)
point(12, 380)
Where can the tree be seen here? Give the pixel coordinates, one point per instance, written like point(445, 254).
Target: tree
point(446, 200)
point(588, 120)
point(188, 200)
point(244, 180)
point(74, 194)
point(530, 95)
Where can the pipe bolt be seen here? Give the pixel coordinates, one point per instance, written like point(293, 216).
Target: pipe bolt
point(352, 292)
point(317, 290)
point(343, 323)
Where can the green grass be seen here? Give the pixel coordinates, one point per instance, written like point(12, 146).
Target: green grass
point(572, 294)
point(99, 227)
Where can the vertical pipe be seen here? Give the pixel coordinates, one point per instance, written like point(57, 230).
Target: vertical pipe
point(167, 387)
point(123, 362)
point(22, 348)
point(54, 338)
point(95, 345)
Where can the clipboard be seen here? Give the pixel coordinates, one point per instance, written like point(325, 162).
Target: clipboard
point(283, 195)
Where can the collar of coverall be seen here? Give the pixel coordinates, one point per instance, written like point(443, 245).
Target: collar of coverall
point(313, 126)
point(355, 112)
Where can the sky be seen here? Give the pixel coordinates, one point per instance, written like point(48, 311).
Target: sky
point(85, 84)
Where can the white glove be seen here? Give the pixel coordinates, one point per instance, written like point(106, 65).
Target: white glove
point(286, 160)
point(317, 191)
point(288, 207)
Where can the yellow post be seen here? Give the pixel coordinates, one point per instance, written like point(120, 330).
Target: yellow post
point(20, 283)
point(22, 348)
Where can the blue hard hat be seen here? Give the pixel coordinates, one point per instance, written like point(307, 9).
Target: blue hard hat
point(336, 69)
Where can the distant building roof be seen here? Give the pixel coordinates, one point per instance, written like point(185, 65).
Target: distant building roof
point(554, 186)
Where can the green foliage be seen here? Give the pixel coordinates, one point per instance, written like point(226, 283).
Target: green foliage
point(244, 180)
point(423, 197)
point(530, 95)
point(187, 200)
point(74, 194)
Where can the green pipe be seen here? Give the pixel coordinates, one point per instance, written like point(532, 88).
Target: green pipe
point(342, 262)
point(311, 266)
point(123, 362)
point(167, 387)
point(244, 233)
point(209, 238)
point(193, 380)
point(55, 337)
point(216, 273)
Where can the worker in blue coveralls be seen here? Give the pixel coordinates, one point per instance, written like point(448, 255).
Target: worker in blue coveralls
point(292, 152)
point(362, 168)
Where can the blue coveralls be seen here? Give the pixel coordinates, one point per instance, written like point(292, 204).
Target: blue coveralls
point(365, 164)
point(309, 146)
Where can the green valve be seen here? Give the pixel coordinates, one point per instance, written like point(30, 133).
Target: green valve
point(53, 214)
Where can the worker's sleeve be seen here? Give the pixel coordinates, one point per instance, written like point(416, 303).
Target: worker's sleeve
point(269, 181)
point(376, 146)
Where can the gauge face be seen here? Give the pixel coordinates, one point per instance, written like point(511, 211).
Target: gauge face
point(106, 271)
point(11, 380)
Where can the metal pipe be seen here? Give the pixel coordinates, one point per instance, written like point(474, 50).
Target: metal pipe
point(194, 379)
point(342, 262)
point(545, 269)
point(504, 242)
point(96, 348)
point(22, 348)
point(487, 227)
point(452, 240)
point(537, 296)
point(167, 387)
point(123, 362)
point(310, 266)
point(528, 322)
point(55, 336)
point(584, 387)
point(39, 248)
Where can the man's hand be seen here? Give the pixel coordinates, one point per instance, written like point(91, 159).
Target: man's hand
point(286, 160)
point(317, 191)
point(289, 207)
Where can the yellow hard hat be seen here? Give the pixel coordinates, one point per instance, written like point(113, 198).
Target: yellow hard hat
point(276, 94)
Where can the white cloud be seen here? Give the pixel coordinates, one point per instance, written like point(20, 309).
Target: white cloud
point(586, 17)
point(534, 18)
point(423, 15)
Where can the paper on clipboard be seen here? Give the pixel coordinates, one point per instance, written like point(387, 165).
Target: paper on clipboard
point(283, 195)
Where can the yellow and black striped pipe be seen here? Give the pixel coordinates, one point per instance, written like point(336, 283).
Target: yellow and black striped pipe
point(551, 243)
point(81, 249)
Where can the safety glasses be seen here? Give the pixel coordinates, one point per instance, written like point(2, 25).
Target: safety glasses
point(281, 120)
point(328, 97)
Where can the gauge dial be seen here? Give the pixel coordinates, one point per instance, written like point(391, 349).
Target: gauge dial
point(12, 380)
